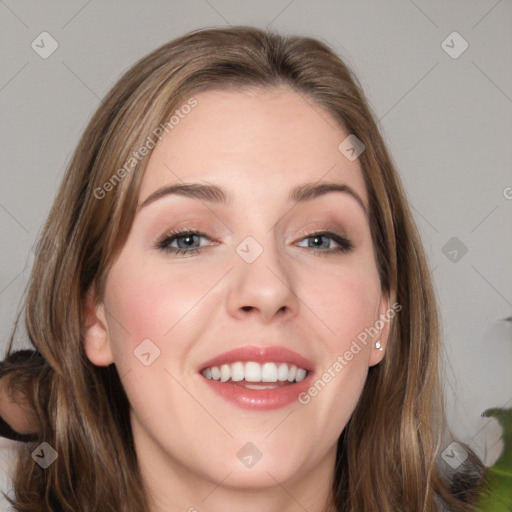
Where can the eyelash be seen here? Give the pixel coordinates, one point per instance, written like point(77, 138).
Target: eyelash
point(345, 245)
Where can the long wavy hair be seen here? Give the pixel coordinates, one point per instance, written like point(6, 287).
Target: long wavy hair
point(388, 453)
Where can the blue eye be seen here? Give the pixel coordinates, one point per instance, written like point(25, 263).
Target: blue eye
point(187, 242)
point(318, 245)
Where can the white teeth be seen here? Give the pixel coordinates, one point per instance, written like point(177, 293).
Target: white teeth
point(256, 372)
point(237, 372)
point(215, 373)
point(248, 386)
point(291, 373)
point(301, 375)
point(269, 372)
point(225, 372)
point(282, 372)
point(252, 372)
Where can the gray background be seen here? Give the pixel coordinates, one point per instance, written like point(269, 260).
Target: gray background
point(447, 122)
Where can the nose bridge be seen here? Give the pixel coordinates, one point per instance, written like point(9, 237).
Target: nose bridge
point(261, 280)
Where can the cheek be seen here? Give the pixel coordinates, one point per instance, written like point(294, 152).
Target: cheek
point(344, 303)
point(159, 302)
point(151, 300)
point(151, 311)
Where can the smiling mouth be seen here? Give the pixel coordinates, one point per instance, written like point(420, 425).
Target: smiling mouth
point(253, 375)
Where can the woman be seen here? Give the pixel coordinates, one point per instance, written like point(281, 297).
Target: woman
point(231, 300)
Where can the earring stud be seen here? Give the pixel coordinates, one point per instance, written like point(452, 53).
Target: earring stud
point(378, 345)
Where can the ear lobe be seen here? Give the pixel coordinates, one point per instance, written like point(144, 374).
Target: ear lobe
point(376, 354)
point(96, 338)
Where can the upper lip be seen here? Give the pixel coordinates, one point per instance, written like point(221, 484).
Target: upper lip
point(260, 355)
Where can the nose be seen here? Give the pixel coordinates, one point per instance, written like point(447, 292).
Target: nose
point(263, 288)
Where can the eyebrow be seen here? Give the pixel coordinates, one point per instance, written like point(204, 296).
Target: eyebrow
point(216, 194)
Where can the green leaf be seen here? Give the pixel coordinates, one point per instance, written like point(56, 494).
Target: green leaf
point(496, 490)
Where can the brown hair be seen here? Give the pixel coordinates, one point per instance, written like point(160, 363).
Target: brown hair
point(387, 454)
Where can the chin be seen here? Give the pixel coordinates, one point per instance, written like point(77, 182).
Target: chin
point(259, 477)
point(267, 472)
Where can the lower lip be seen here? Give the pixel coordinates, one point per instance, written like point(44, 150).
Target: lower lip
point(260, 399)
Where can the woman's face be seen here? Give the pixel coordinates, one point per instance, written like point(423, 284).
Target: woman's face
point(266, 270)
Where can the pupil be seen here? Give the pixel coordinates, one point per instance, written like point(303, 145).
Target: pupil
point(316, 239)
point(189, 239)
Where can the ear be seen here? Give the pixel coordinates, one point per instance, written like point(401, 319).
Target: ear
point(382, 324)
point(96, 338)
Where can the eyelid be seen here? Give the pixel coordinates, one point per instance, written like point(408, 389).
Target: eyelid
point(327, 229)
point(323, 231)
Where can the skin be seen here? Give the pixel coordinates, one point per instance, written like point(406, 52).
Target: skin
point(257, 145)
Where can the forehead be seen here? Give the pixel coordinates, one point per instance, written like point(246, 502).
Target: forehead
point(254, 143)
